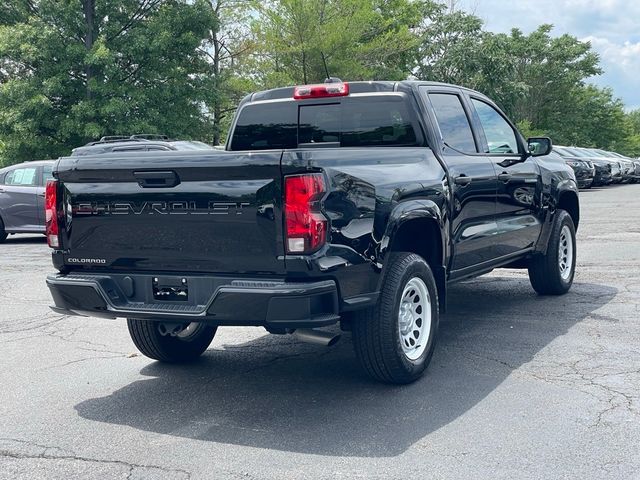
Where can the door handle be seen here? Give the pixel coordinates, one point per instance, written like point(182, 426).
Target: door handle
point(504, 177)
point(157, 179)
point(462, 180)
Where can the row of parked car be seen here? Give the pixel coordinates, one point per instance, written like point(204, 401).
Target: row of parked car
point(595, 168)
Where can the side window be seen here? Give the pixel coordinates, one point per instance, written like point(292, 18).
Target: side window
point(24, 177)
point(453, 122)
point(500, 136)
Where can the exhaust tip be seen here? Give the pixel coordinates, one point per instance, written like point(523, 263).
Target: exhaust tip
point(335, 339)
point(317, 337)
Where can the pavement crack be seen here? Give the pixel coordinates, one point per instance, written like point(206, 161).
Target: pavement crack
point(44, 452)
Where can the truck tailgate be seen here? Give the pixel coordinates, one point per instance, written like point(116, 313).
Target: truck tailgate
point(174, 211)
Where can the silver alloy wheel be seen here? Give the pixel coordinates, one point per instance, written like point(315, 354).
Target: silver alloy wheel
point(414, 318)
point(565, 253)
point(188, 331)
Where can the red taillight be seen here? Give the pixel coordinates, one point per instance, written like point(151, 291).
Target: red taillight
point(322, 90)
point(306, 227)
point(51, 213)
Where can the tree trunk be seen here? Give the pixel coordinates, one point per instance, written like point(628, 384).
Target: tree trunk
point(89, 10)
point(217, 105)
point(217, 50)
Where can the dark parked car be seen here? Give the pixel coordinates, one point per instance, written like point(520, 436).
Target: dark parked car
point(626, 166)
point(584, 168)
point(138, 143)
point(22, 197)
point(356, 203)
point(604, 168)
point(629, 172)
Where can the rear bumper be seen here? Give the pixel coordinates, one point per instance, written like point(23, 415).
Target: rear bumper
point(274, 304)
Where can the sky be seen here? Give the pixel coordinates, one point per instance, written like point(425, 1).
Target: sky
point(612, 27)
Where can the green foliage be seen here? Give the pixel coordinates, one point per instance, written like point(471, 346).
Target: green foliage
point(228, 45)
point(631, 144)
point(597, 119)
point(538, 79)
point(525, 127)
point(304, 41)
point(74, 71)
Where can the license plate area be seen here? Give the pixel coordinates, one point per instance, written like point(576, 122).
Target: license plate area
point(170, 289)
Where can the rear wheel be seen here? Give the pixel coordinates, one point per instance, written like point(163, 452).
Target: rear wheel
point(170, 342)
point(552, 273)
point(395, 340)
point(3, 233)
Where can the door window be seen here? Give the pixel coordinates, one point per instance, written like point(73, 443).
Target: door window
point(453, 122)
point(500, 136)
point(24, 177)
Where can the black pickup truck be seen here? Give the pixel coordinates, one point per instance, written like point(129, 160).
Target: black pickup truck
point(356, 203)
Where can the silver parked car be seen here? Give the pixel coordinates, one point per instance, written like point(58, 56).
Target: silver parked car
point(22, 197)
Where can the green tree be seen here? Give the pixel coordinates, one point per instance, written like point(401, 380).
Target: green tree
point(631, 144)
point(546, 71)
point(595, 119)
point(228, 45)
point(449, 48)
point(74, 71)
point(304, 41)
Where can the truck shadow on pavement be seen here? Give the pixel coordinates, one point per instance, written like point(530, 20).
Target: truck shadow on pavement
point(278, 394)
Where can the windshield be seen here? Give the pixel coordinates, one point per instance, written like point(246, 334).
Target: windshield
point(562, 151)
point(578, 153)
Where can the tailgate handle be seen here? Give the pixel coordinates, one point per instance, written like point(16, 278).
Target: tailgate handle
point(157, 179)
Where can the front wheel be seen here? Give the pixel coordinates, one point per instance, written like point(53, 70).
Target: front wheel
point(395, 340)
point(170, 342)
point(553, 272)
point(3, 233)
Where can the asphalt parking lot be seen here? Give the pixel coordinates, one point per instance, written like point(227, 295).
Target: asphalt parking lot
point(520, 386)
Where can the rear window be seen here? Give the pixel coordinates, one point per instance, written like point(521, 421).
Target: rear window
point(453, 122)
point(266, 126)
point(354, 122)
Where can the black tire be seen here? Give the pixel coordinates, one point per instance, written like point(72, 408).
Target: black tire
point(147, 337)
point(376, 331)
point(3, 233)
point(545, 270)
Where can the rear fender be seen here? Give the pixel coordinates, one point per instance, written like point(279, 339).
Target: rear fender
point(412, 211)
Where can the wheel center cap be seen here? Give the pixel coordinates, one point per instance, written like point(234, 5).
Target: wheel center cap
point(406, 318)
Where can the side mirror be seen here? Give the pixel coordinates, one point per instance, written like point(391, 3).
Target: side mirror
point(539, 146)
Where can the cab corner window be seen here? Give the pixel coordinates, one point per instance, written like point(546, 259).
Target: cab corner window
point(453, 122)
point(501, 138)
point(47, 174)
